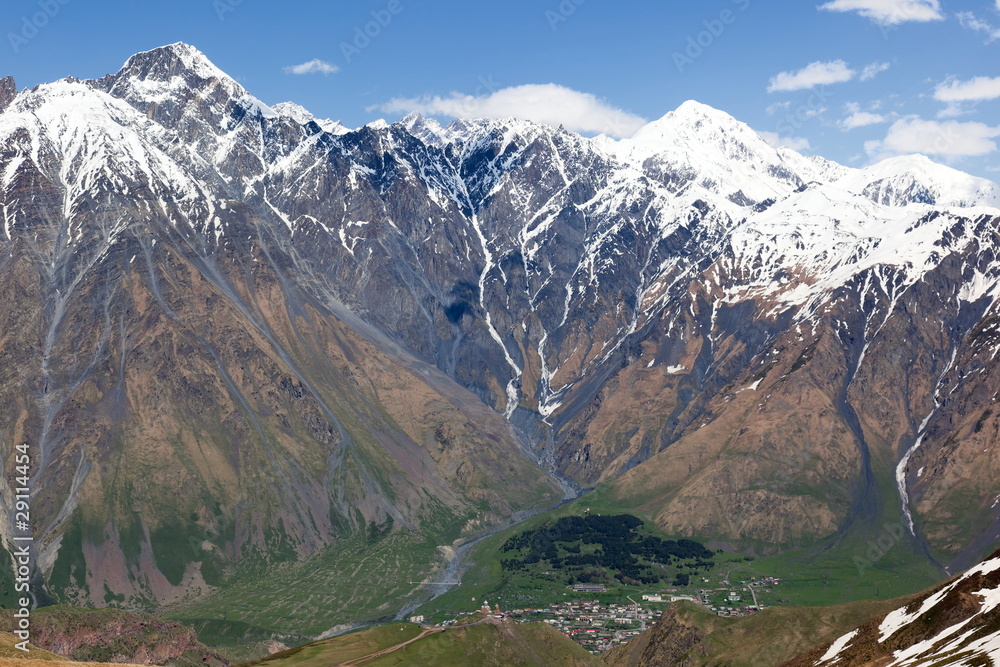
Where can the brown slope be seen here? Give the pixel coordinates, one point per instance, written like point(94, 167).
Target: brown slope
point(766, 460)
point(189, 411)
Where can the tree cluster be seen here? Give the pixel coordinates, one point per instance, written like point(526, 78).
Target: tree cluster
point(620, 549)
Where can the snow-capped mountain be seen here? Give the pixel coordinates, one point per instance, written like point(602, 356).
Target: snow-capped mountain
point(754, 345)
point(911, 179)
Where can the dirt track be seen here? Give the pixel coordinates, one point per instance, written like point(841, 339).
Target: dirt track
point(425, 632)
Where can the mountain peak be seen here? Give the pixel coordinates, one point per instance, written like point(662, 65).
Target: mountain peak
point(916, 163)
point(694, 108)
point(428, 130)
point(296, 112)
point(693, 124)
point(725, 154)
point(165, 62)
point(177, 80)
point(918, 179)
point(694, 113)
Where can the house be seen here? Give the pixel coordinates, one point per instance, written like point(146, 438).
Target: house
point(589, 588)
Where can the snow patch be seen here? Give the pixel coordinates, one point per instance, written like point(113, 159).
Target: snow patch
point(904, 495)
point(837, 647)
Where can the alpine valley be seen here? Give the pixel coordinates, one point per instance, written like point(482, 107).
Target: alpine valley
point(278, 377)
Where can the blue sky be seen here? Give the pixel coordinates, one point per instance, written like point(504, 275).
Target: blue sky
point(852, 80)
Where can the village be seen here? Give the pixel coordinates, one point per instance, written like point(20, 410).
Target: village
point(600, 625)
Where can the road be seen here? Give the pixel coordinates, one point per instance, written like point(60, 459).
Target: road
point(642, 623)
point(750, 588)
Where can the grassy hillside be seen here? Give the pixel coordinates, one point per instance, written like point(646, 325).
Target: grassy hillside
point(344, 648)
point(358, 581)
point(492, 644)
point(34, 654)
point(476, 644)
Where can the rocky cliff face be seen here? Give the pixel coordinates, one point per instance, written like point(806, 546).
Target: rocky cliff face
point(192, 403)
point(315, 329)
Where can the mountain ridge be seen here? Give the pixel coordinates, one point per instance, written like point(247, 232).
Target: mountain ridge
point(641, 321)
point(953, 624)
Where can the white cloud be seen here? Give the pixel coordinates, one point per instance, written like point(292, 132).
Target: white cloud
point(973, 22)
point(542, 103)
point(949, 139)
point(873, 70)
point(978, 88)
point(889, 12)
point(861, 119)
point(953, 110)
point(812, 75)
point(795, 143)
point(314, 66)
point(782, 106)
